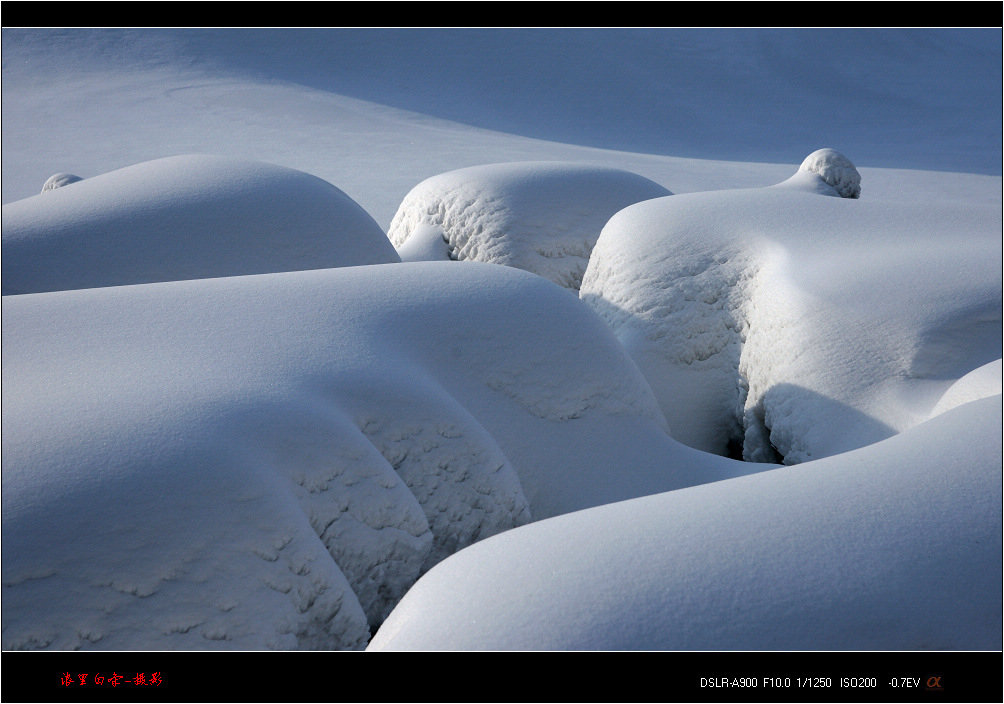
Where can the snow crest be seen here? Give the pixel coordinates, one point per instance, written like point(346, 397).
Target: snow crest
point(980, 383)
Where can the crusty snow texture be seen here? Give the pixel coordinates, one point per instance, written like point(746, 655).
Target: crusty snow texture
point(58, 181)
point(269, 462)
point(274, 461)
point(832, 555)
point(543, 217)
point(791, 325)
point(836, 169)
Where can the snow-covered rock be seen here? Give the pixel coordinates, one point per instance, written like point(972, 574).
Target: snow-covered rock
point(793, 326)
point(58, 181)
point(270, 461)
point(836, 170)
point(543, 217)
point(896, 546)
point(826, 172)
point(184, 217)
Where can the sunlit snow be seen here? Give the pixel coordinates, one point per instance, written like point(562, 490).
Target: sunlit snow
point(501, 339)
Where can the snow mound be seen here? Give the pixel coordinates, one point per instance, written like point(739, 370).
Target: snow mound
point(543, 217)
point(789, 327)
point(826, 172)
point(58, 181)
point(184, 217)
point(896, 546)
point(836, 170)
point(269, 462)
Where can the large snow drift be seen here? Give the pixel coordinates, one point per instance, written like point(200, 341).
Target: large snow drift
point(183, 217)
point(270, 461)
point(543, 217)
point(795, 326)
point(896, 546)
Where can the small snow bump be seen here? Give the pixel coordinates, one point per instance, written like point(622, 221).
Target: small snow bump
point(59, 180)
point(836, 170)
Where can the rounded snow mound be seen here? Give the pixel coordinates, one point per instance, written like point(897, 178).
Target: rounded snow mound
point(755, 313)
point(58, 181)
point(719, 567)
point(836, 170)
point(543, 217)
point(184, 217)
point(270, 462)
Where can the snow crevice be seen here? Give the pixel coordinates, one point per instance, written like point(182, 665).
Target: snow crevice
point(684, 318)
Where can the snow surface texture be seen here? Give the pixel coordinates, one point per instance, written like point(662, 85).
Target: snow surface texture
point(836, 170)
point(184, 217)
point(792, 326)
point(868, 550)
point(542, 217)
point(300, 461)
point(269, 458)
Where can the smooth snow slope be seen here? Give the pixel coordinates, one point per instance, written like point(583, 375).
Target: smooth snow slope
point(892, 97)
point(981, 382)
point(184, 217)
point(896, 546)
point(270, 461)
point(276, 453)
point(91, 101)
